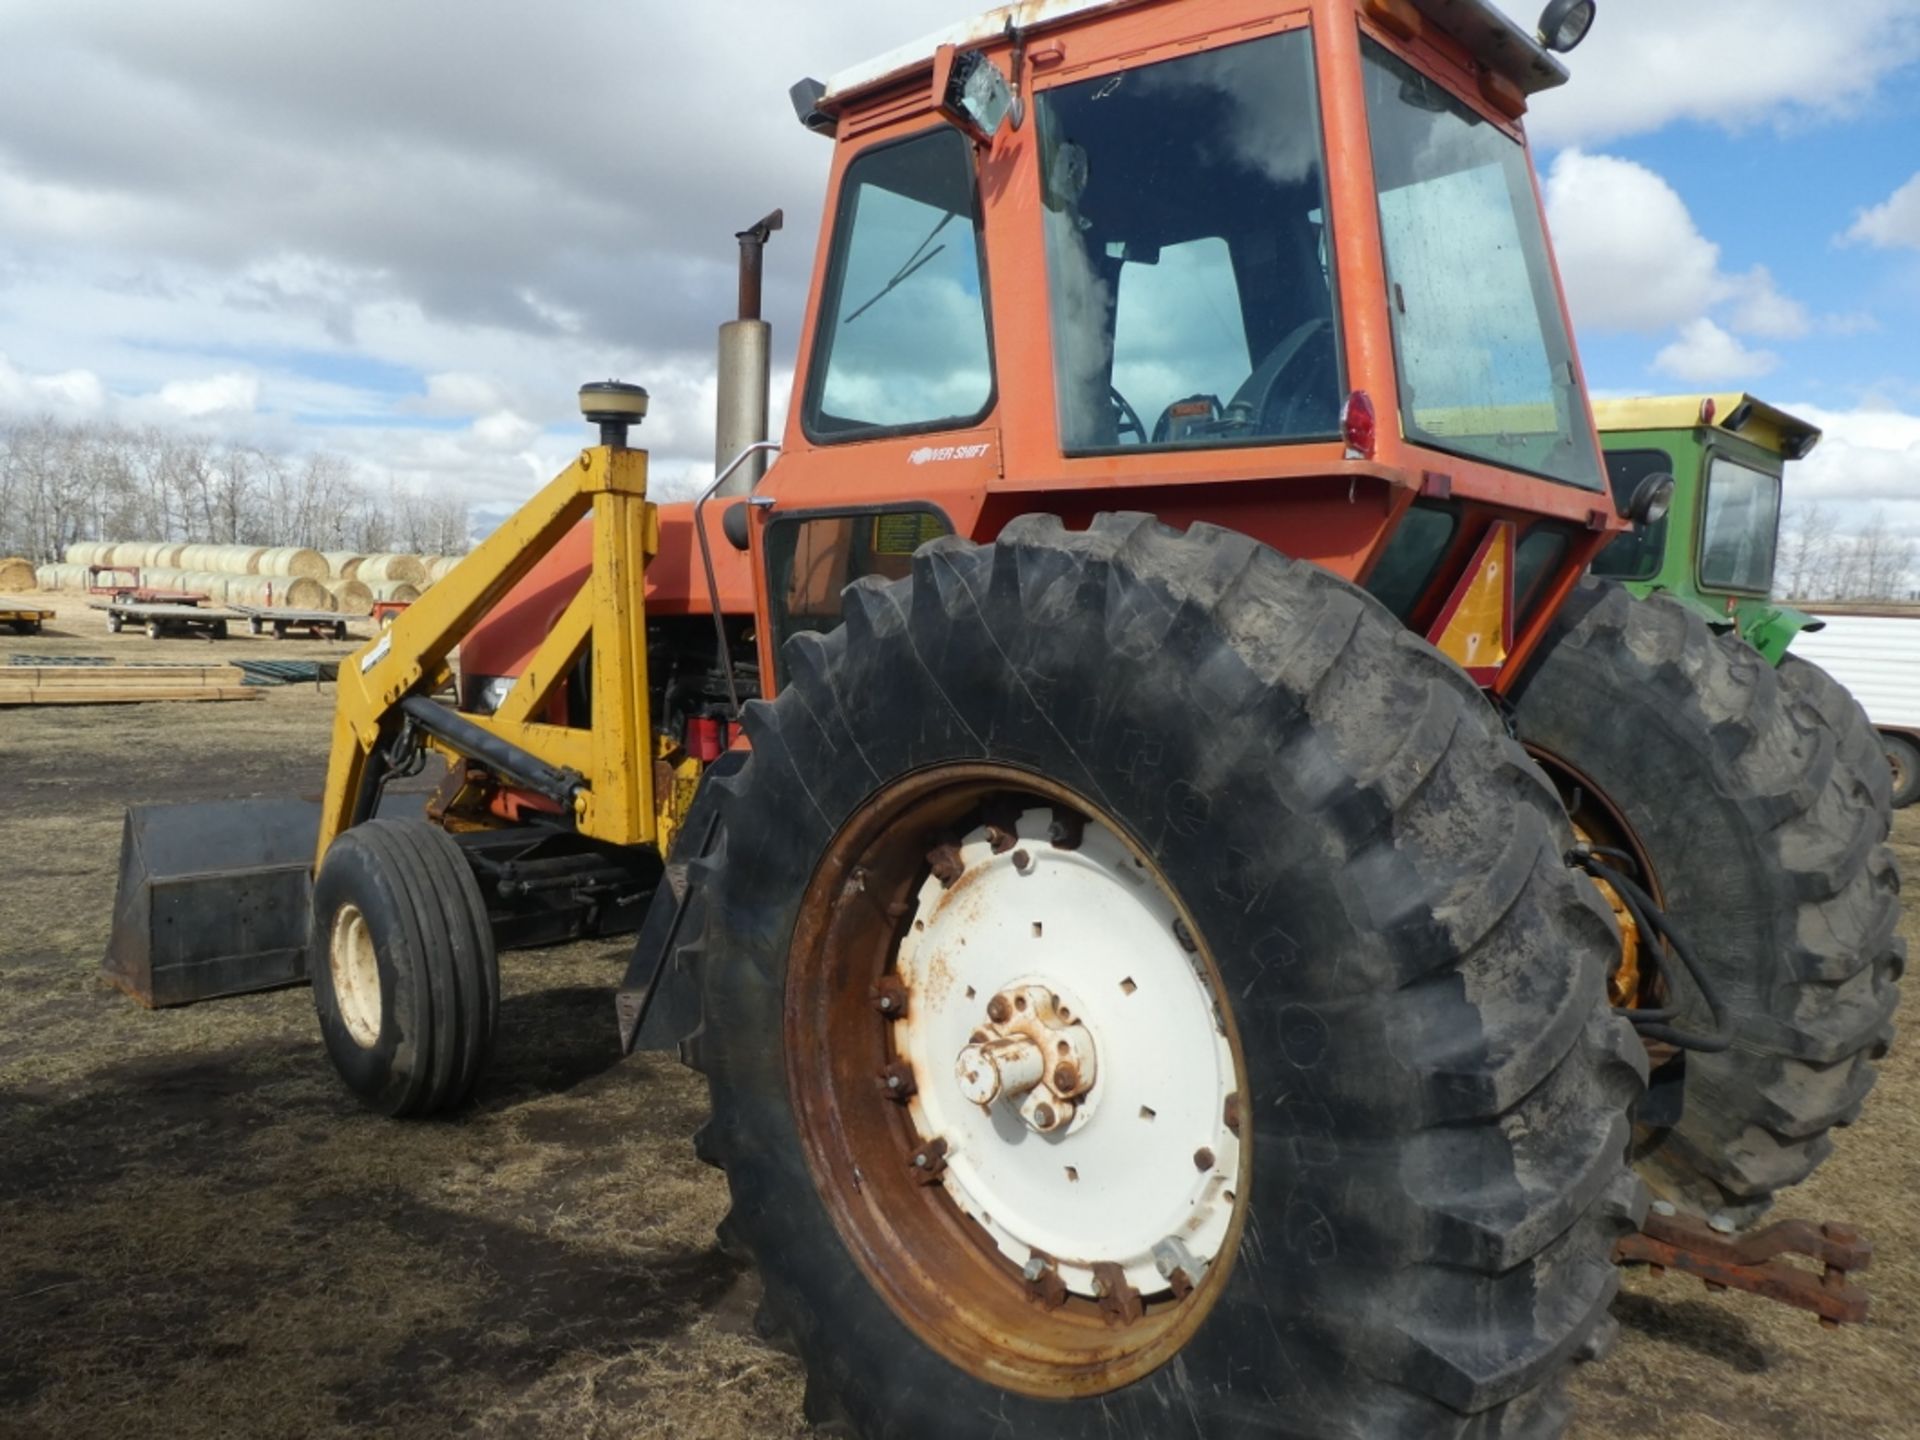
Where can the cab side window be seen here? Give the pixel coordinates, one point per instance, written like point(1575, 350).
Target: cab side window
point(902, 341)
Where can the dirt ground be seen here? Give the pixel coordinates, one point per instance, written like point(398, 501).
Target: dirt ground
point(201, 1235)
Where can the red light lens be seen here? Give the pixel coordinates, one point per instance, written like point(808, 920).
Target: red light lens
point(1707, 409)
point(1357, 424)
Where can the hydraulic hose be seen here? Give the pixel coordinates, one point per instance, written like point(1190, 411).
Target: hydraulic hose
point(1654, 1024)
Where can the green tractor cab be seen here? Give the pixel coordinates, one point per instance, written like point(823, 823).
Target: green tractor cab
point(1714, 547)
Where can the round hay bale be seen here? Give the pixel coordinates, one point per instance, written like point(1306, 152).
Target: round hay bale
point(226, 559)
point(263, 591)
point(392, 567)
point(17, 574)
point(394, 590)
point(342, 563)
point(210, 583)
point(438, 567)
point(291, 561)
point(303, 592)
point(80, 552)
point(351, 597)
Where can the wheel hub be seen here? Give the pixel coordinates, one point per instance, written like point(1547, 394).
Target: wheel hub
point(1031, 1054)
point(1070, 1056)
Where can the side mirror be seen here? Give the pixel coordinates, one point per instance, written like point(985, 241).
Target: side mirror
point(1652, 498)
point(972, 94)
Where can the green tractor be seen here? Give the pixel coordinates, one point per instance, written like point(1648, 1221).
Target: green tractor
point(1714, 547)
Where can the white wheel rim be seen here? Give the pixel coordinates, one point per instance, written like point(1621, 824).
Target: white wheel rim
point(356, 975)
point(1143, 1175)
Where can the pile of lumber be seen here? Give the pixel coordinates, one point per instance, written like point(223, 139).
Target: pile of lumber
point(121, 684)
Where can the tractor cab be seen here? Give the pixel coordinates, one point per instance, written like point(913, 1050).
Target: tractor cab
point(1715, 547)
point(1278, 268)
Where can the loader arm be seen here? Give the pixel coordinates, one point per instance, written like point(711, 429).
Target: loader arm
point(385, 688)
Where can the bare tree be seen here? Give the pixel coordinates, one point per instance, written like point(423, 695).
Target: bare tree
point(1806, 548)
point(60, 483)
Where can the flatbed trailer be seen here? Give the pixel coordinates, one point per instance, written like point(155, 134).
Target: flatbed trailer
point(159, 620)
point(24, 619)
point(320, 624)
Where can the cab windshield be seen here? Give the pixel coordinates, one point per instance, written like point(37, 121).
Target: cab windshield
point(1192, 290)
point(1486, 368)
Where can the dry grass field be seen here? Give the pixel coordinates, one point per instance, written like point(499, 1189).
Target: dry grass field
point(202, 1236)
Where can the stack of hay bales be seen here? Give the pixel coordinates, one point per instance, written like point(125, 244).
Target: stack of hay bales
point(291, 577)
point(393, 577)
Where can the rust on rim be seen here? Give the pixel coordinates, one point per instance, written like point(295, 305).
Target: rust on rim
point(939, 1270)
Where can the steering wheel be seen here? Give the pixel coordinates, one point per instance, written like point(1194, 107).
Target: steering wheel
point(1260, 390)
point(1125, 417)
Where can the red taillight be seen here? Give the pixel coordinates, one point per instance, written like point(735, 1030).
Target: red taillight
point(1707, 409)
point(1356, 424)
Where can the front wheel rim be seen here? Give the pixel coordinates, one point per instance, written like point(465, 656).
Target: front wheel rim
point(991, 1201)
point(355, 967)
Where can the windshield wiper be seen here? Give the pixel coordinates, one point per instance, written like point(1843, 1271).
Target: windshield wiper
point(920, 256)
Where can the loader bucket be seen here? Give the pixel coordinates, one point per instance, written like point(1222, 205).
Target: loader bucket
point(213, 899)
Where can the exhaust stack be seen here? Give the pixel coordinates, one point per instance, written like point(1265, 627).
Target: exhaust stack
point(745, 371)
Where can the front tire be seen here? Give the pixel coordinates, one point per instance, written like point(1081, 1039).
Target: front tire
point(1759, 803)
point(1432, 1103)
point(405, 980)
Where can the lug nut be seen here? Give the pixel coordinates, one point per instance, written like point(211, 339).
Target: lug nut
point(896, 1081)
point(889, 996)
point(1203, 1159)
point(999, 1010)
point(1022, 861)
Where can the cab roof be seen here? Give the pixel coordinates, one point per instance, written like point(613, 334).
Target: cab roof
point(1736, 412)
point(1487, 33)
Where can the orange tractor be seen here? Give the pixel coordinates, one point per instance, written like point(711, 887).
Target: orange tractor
point(1176, 883)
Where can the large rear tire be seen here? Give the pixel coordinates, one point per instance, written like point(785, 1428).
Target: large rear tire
point(405, 979)
point(1759, 801)
point(1429, 1132)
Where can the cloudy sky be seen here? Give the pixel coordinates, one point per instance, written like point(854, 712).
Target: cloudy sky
point(406, 231)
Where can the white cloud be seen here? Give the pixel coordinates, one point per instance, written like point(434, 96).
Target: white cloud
point(1868, 460)
point(1707, 355)
point(1632, 257)
point(1630, 254)
point(454, 392)
point(504, 430)
point(1758, 308)
point(65, 392)
point(213, 395)
point(1649, 63)
point(1894, 222)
